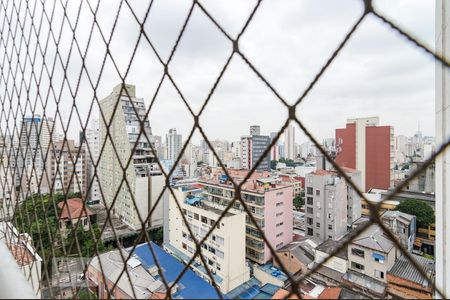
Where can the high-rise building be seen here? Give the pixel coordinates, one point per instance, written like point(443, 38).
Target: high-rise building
point(369, 148)
point(252, 148)
point(33, 145)
point(274, 151)
point(289, 143)
point(93, 147)
point(145, 179)
point(442, 117)
point(326, 205)
point(331, 204)
point(224, 249)
point(67, 168)
point(173, 144)
point(255, 130)
point(7, 186)
point(270, 203)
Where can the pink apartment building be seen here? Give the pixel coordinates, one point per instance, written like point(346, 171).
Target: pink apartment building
point(269, 202)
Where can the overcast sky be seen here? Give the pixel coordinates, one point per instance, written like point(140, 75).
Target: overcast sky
point(377, 73)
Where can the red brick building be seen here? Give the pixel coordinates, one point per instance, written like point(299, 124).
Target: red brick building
point(367, 147)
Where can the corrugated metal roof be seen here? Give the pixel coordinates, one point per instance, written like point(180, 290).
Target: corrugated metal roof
point(373, 238)
point(403, 268)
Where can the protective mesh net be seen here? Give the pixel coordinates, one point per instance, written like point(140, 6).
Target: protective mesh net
point(54, 57)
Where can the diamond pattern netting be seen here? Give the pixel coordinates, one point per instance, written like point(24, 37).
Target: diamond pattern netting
point(39, 43)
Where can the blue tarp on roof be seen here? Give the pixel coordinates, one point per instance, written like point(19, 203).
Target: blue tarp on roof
point(193, 200)
point(270, 289)
point(250, 293)
point(233, 294)
point(192, 286)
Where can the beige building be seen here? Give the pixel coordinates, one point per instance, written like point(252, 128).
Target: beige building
point(67, 168)
point(144, 178)
point(370, 256)
point(224, 249)
point(7, 186)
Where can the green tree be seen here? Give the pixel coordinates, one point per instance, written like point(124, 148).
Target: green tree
point(299, 202)
point(85, 240)
point(423, 212)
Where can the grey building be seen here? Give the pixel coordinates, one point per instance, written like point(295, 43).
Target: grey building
point(402, 225)
point(255, 130)
point(326, 205)
point(252, 148)
point(259, 145)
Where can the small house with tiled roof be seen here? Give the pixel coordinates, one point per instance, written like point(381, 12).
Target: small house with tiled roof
point(74, 211)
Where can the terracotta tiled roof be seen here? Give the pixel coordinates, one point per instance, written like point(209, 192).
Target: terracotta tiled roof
point(21, 254)
point(323, 172)
point(75, 206)
point(330, 293)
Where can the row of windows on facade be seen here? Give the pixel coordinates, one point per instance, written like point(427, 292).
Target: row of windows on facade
point(209, 248)
point(259, 200)
point(360, 267)
point(202, 232)
point(198, 217)
point(255, 210)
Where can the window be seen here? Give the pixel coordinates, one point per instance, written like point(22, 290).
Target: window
point(279, 234)
point(358, 252)
point(279, 204)
point(317, 224)
point(309, 221)
point(279, 214)
point(220, 240)
point(211, 222)
point(219, 254)
point(357, 266)
point(379, 274)
point(330, 227)
point(378, 258)
point(196, 216)
point(309, 210)
point(184, 246)
point(218, 267)
point(309, 190)
point(204, 220)
point(309, 231)
point(212, 249)
point(309, 200)
point(279, 245)
point(280, 224)
point(317, 192)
